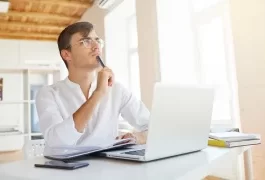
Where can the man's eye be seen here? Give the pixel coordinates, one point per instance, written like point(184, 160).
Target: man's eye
point(88, 41)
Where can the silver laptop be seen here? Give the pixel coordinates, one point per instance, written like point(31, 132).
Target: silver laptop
point(179, 123)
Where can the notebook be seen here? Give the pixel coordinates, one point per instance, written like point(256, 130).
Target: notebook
point(233, 136)
point(72, 152)
point(233, 139)
point(228, 144)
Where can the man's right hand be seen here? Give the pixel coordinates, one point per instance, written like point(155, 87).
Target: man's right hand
point(105, 80)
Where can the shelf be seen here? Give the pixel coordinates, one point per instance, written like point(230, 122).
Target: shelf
point(11, 142)
point(17, 102)
point(11, 134)
point(21, 134)
point(36, 134)
point(21, 83)
point(30, 68)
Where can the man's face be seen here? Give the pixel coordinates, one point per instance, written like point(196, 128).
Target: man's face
point(84, 51)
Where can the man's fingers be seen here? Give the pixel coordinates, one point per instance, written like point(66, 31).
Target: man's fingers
point(111, 76)
point(110, 81)
point(127, 135)
point(108, 70)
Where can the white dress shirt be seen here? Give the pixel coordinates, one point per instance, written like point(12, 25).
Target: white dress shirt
point(57, 103)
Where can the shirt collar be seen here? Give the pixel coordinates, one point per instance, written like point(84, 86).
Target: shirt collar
point(75, 85)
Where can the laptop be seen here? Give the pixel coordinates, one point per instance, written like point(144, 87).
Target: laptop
point(179, 123)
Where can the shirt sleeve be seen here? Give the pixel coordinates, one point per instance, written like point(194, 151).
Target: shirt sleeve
point(133, 110)
point(57, 130)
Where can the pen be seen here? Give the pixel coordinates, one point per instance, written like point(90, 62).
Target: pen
point(100, 61)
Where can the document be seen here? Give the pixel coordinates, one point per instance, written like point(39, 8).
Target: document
point(70, 152)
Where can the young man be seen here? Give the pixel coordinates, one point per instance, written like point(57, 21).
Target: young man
point(84, 108)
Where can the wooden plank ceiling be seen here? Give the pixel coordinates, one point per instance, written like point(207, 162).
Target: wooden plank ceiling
point(40, 19)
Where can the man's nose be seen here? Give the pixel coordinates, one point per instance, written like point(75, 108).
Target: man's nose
point(95, 45)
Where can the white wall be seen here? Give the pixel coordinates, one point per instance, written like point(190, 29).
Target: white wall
point(248, 26)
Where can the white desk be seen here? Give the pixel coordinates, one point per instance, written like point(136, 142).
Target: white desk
point(193, 166)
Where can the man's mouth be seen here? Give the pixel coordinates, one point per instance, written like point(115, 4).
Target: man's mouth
point(95, 54)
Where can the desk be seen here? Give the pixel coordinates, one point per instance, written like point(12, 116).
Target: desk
point(192, 166)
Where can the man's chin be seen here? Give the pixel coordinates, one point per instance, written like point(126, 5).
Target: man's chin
point(96, 67)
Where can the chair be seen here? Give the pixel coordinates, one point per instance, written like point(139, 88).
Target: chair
point(33, 148)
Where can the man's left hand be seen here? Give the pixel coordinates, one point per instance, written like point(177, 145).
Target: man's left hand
point(140, 137)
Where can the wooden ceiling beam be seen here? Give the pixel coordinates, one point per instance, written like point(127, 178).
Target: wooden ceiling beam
point(40, 15)
point(22, 35)
point(28, 38)
point(75, 3)
point(31, 25)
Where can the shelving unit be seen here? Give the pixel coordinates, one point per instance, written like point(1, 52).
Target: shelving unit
point(17, 107)
point(17, 102)
point(32, 68)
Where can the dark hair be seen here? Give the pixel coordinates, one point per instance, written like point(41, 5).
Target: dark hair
point(84, 28)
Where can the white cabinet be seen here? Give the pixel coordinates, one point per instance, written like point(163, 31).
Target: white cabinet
point(39, 52)
point(9, 52)
point(28, 52)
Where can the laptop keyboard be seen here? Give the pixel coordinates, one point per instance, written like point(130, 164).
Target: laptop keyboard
point(140, 152)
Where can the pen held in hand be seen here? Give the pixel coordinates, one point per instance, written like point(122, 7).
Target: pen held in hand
point(100, 61)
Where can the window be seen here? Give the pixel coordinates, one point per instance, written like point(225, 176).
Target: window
point(133, 60)
point(195, 48)
point(122, 47)
point(214, 66)
point(176, 41)
point(36, 82)
point(34, 115)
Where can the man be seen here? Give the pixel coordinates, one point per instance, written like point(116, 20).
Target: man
point(84, 108)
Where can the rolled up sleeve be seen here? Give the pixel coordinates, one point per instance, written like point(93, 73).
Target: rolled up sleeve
point(134, 111)
point(57, 130)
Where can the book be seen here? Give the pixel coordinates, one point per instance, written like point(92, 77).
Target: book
point(233, 139)
point(227, 144)
point(223, 129)
point(72, 152)
point(233, 136)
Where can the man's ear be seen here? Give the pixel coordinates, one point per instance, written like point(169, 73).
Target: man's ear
point(66, 55)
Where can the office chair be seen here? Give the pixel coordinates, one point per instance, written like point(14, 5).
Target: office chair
point(33, 148)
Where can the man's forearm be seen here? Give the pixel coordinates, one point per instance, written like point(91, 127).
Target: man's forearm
point(84, 113)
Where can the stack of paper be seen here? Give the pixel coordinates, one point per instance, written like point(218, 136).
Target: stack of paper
point(9, 131)
point(71, 152)
point(233, 139)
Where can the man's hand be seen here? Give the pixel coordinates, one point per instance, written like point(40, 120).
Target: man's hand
point(105, 80)
point(84, 113)
point(140, 137)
